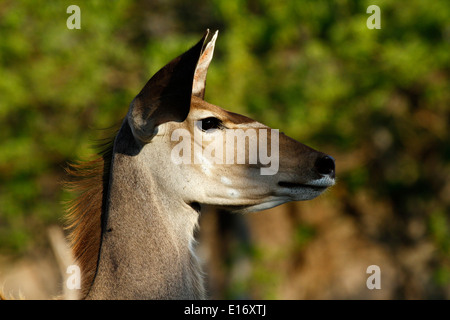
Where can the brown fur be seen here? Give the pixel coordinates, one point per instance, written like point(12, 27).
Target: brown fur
point(89, 180)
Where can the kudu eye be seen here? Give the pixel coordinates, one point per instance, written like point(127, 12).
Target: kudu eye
point(210, 123)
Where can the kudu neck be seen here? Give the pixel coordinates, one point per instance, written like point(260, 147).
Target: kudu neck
point(147, 238)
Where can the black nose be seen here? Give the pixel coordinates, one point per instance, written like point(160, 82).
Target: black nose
point(325, 165)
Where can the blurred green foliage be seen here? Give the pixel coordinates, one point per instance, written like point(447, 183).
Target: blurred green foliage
point(376, 99)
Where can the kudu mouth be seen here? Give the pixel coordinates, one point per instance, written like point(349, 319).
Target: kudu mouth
point(293, 185)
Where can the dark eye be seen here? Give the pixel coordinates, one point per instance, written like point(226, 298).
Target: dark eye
point(210, 123)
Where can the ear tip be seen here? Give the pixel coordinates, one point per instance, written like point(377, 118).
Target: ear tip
point(212, 40)
point(207, 32)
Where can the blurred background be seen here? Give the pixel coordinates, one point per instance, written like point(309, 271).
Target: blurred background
point(376, 100)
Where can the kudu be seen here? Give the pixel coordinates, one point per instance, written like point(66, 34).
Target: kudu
point(132, 225)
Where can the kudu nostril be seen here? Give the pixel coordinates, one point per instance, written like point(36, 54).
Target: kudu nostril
point(325, 165)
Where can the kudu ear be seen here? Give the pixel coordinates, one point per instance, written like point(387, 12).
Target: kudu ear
point(167, 95)
point(201, 71)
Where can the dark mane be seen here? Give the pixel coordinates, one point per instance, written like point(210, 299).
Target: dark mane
point(89, 180)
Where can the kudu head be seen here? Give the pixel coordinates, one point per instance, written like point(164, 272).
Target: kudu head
point(204, 155)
